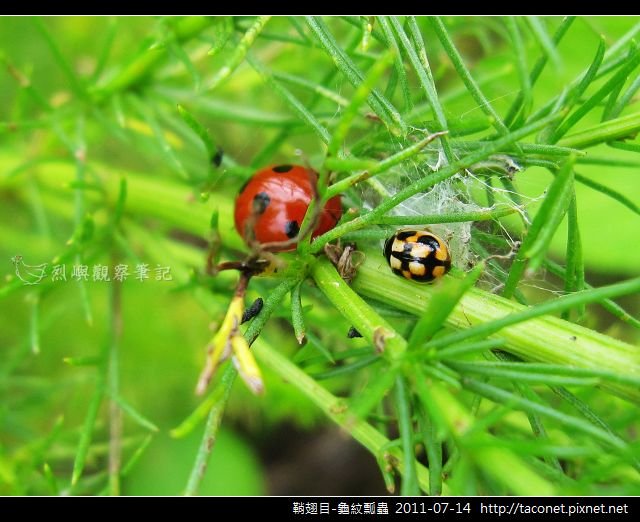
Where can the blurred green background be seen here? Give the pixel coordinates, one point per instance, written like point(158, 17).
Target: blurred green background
point(277, 444)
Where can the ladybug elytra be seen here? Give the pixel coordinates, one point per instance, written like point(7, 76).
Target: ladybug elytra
point(272, 204)
point(417, 255)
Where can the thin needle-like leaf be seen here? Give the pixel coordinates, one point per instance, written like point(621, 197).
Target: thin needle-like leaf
point(542, 228)
point(575, 262)
point(87, 430)
point(74, 81)
point(378, 103)
point(239, 54)
point(373, 394)
point(545, 40)
point(418, 57)
point(586, 107)
point(521, 65)
point(398, 62)
point(405, 426)
point(297, 318)
point(359, 97)
point(445, 297)
point(135, 415)
point(607, 304)
point(516, 106)
point(467, 78)
point(625, 99)
point(502, 396)
point(298, 107)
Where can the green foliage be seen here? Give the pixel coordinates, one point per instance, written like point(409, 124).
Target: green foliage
point(125, 141)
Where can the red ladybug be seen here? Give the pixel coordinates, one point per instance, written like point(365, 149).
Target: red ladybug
point(272, 204)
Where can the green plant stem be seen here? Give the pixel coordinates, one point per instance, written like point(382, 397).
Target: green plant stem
point(541, 338)
point(115, 413)
point(455, 217)
point(503, 465)
point(373, 327)
point(405, 426)
point(152, 197)
point(355, 310)
point(336, 409)
point(210, 432)
point(220, 395)
point(379, 167)
point(546, 339)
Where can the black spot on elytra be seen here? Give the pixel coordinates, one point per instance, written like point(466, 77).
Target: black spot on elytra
point(427, 277)
point(405, 234)
point(397, 272)
point(291, 229)
point(281, 169)
point(430, 241)
point(387, 248)
point(260, 202)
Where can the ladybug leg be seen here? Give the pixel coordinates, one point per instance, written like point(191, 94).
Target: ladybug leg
point(213, 270)
point(252, 265)
point(210, 266)
point(272, 263)
point(215, 243)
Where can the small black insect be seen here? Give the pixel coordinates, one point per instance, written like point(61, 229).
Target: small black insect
point(353, 333)
point(252, 311)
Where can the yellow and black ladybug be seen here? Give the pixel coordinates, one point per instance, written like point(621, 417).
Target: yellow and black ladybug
point(417, 255)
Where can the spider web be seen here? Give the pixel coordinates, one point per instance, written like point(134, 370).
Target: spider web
point(462, 193)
